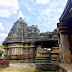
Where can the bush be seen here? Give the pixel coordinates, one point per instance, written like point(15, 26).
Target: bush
point(4, 63)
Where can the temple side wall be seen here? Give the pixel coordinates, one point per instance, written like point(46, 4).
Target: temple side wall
point(20, 52)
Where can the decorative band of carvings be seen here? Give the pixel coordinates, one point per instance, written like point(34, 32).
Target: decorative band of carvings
point(65, 27)
point(17, 47)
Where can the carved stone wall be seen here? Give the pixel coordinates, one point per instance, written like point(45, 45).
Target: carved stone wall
point(20, 51)
point(21, 40)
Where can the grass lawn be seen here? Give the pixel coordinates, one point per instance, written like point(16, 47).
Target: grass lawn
point(48, 71)
point(4, 69)
point(18, 70)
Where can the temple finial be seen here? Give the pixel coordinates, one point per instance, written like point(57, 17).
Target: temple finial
point(20, 18)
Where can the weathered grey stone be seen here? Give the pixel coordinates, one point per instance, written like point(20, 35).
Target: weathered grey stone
point(22, 42)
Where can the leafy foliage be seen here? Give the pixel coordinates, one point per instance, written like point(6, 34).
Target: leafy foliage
point(1, 52)
point(2, 46)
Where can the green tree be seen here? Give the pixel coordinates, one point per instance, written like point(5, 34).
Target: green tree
point(1, 52)
point(2, 46)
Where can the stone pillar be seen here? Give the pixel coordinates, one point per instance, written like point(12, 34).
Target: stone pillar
point(32, 52)
point(60, 53)
point(66, 48)
point(65, 29)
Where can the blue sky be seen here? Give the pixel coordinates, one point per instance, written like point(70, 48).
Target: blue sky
point(44, 13)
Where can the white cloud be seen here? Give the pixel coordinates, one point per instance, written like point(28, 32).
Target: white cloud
point(4, 13)
point(45, 12)
point(49, 14)
point(29, 7)
point(2, 36)
point(7, 7)
point(42, 1)
point(20, 14)
point(50, 18)
point(1, 26)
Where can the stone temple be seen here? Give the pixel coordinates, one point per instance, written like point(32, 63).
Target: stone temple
point(27, 43)
point(15, 44)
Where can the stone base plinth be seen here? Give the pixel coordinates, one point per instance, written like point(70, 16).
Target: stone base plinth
point(46, 67)
point(65, 68)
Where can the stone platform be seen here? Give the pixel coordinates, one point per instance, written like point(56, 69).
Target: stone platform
point(47, 66)
point(65, 67)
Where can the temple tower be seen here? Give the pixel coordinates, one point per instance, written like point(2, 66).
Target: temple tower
point(19, 43)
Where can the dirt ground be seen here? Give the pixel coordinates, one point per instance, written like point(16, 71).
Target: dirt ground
point(21, 65)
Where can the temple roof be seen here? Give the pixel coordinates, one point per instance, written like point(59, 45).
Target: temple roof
point(67, 14)
point(20, 32)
